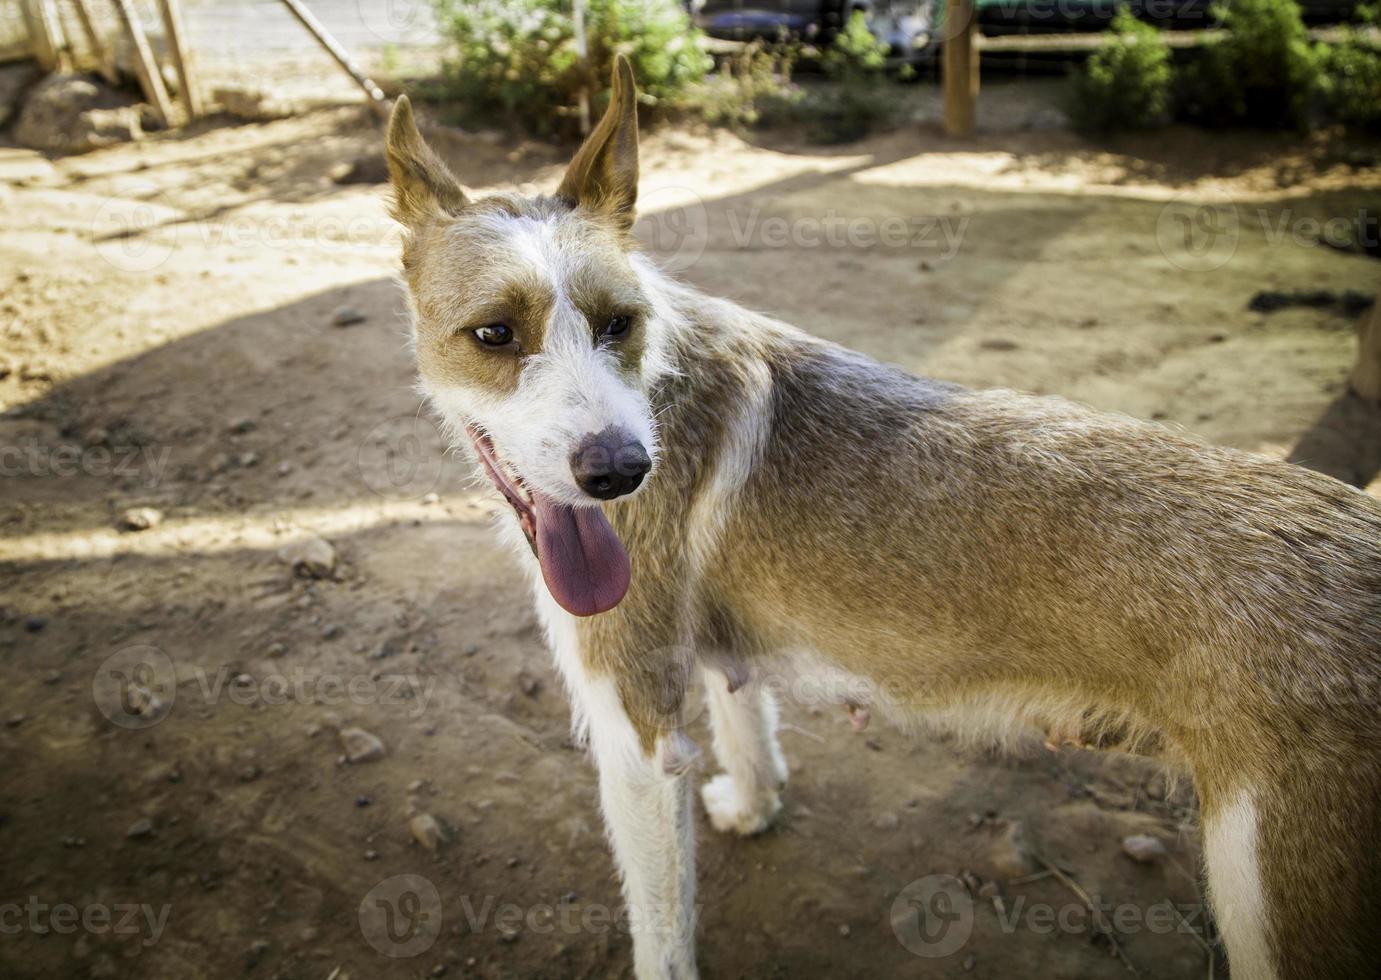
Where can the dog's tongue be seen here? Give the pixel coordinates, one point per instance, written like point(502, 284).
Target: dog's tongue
point(583, 561)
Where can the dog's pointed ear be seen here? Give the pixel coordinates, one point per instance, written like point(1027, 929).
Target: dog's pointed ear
point(603, 177)
point(423, 188)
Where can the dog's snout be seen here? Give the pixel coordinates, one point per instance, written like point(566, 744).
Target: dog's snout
point(610, 464)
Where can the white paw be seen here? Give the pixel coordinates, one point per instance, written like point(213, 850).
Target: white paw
point(728, 814)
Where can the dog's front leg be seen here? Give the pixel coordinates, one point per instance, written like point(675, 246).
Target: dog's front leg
point(646, 802)
point(745, 797)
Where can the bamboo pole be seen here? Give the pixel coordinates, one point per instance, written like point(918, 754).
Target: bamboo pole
point(172, 27)
point(144, 65)
point(960, 67)
point(377, 100)
point(105, 63)
point(45, 34)
point(1366, 375)
point(582, 51)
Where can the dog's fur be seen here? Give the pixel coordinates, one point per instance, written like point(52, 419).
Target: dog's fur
point(986, 556)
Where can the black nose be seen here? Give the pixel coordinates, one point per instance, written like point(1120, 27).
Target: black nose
point(609, 464)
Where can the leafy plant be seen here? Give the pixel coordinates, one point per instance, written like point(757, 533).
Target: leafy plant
point(859, 100)
point(1351, 76)
point(517, 60)
point(1127, 82)
point(1263, 72)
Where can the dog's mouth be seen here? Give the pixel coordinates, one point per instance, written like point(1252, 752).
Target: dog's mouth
point(584, 564)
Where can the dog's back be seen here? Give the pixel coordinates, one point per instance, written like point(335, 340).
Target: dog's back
point(988, 547)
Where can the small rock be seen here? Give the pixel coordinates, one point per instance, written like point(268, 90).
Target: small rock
point(52, 677)
point(886, 821)
point(251, 104)
point(141, 828)
point(35, 624)
point(310, 557)
point(529, 685)
point(362, 801)
point(1010, 855)
point(844, 930)
point(140, 519)
point(1144, 849)
point(241, 425)
point(256, 952)
point(426, 831)
point(331, 631)
point(360, 745)
point(347, 316)
point(968, 963)
point(371, 855)
point(277, 649)
point(14, 721)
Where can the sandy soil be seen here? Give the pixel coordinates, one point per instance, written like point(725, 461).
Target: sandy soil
point(168, 312)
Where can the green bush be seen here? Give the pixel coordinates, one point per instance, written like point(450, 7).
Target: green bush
point(859, 98)
point(1351, 84)
point(1127, 81)
point(1263, 73)
point(1351, 77)
point(752, 88)
point(516, 60)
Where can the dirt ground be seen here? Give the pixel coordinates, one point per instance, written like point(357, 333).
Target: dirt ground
point(168, 312)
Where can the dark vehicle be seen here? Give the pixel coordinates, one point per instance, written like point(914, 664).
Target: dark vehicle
point(908, 26)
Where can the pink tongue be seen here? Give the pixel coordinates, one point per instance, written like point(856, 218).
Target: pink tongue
point(583, 560)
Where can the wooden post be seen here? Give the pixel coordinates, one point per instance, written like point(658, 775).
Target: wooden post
point(46, 41)
point(377, 100)
point(172, 27)
point(144, 65)
point(1366, 375)
point(105, 63)
point(582, 51)
point(960, 67)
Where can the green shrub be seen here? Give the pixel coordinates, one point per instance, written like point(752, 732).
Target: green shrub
point(1127, 81)
point(858, 100)
point(1351, 84)
point(752, 88)
point(516, 60)
point(1263, 73)
point(1351, 77)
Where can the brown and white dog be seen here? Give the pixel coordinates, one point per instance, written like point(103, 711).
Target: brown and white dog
point(697, 488)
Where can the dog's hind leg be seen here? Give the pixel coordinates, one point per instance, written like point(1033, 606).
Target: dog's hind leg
point(744, 798)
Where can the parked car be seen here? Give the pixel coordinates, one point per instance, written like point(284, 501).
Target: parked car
point(906, 25)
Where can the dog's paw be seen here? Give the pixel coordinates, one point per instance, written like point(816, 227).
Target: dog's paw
point(729, 815)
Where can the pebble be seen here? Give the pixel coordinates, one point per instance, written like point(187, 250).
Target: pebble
point(426, 831)
point(141, 828)
point(1144, 849)
point(241, 425)
point(35, 624)
point(1010, 855)
point(886, 821)
point(360, 745)
point(310, 557)
point(844, 931)
point(347, 316)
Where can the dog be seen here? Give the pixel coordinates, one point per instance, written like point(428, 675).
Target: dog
point(697, 489)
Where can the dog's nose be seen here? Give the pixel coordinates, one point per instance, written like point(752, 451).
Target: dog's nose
point(609, 464)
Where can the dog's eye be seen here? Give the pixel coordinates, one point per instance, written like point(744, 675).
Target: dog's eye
point(618, 326)
point(494, 335)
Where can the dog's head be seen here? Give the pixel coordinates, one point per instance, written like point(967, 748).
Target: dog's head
point(532, 337)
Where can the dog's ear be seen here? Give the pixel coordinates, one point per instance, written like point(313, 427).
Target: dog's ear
point(422, 186)
point(603, 177)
